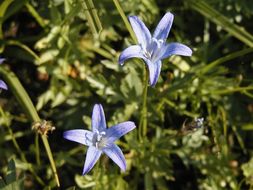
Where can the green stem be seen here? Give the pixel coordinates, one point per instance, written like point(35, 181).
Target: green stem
point(23, 46)
point(226, 58)
point(215, 16)
point(143, 119)
point(124, 18)
point(3, 7)
point(21, 95)
point(22, 155)
point(37, 149)
point(91, 15)
point(23, 158)
point(36, 15)
point(213, 129)
point(229, 91)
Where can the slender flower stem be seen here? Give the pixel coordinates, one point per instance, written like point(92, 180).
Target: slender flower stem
point(143, 120)
point(26, 103)
point(37, 148)
point(124, 18)
point(142, 131)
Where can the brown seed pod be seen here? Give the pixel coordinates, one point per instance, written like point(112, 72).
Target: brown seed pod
point(43, 127)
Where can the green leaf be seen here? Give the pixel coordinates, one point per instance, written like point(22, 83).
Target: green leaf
point(2, 183)
point(3, 7)
point(91, 15)
point(16, 185)
point(26, 103)
point(247, 169)
point(11, 172)
point(247, 126)
point(13, 8)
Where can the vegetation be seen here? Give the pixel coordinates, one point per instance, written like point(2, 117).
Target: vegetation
point(62, 59)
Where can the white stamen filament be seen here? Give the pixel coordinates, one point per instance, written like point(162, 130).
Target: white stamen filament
point(153, 50)
point(99, 139)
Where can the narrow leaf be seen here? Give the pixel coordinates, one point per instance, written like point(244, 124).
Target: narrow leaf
point(91, 15)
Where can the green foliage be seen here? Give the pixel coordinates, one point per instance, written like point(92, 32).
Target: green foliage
point(247, 171)
point(11, 181)
point(62, 57)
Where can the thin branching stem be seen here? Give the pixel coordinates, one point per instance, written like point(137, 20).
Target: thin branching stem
point(22, 155)
point(26, 103)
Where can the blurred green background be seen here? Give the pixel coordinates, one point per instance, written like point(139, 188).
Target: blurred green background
point(65, 54)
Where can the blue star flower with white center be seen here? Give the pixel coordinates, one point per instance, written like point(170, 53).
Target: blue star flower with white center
point(152, 49)
point(2, 83)
point(101, 139)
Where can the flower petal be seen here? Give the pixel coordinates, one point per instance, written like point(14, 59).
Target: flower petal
point(130, 52)
point(3, 85)
point(115, 132)
point(176, 49)
point(154, 71)
point(2, 60)
point(92, 157)
point(98, 118)
point(163, 28)
point(79, 135)
point(116, 155)
point(141, 31)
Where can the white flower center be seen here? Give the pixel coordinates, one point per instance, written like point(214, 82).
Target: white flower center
point(154, 50)
point(199, 122)
point(99, 139)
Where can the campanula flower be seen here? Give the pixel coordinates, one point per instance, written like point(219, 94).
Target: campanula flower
point(100, 139)
point(152, 49)
point(2, 83)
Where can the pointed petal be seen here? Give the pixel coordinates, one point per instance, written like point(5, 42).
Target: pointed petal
point(176, 49)
point(2, 60)
point(92, 157)
point(154, 71)
point(79, 135)
point(3, 85)
point(141, 31)
point(163, 28)
point(130, 52)
point(98, 118)
point(116, 155)
point(115, 132)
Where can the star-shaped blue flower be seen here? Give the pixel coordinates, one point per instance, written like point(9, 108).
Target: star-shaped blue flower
point(100, 139)
point(2, 83)
point(152, 49)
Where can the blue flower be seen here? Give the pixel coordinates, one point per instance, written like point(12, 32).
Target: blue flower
point(100, 139)
point(152, 49)
point(2, 83)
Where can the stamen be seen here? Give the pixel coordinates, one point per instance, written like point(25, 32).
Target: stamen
point(154, 49)
point(146, 53)
point(99, 139)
